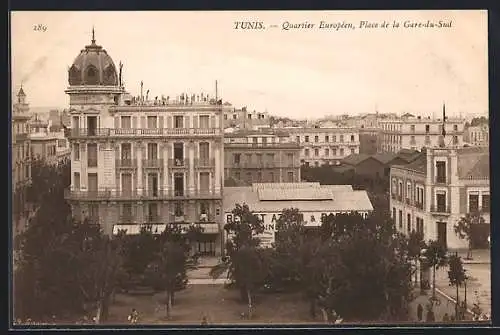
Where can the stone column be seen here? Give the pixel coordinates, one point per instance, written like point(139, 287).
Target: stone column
point(190, 181)
point(138, 154)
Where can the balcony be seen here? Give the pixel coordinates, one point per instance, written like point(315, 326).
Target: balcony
point(440, 210)
point(152, 163)
point(126, 163)
point(144, 132)
point(178, 163)
point(204, 163)
point(284, 145)
point(159, 194)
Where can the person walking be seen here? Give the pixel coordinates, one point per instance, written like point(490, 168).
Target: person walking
point(134, 316)
point(420, 312)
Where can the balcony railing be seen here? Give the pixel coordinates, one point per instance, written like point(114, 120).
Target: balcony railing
point(204, 162)
point(152, 163)
point(289, 145)
point(178, 163)
point(126, 163)
point(124, 132)
point(92, 162)
point(152, 194)
point(440, 209)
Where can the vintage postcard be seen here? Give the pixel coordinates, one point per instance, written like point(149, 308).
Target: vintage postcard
point(250, 168)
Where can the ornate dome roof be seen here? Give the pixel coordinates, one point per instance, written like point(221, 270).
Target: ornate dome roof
point(93, 66)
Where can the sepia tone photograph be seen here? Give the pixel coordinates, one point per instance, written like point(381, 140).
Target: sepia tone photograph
point(314, 168)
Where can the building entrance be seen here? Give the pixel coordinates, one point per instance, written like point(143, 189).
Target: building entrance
point(205, 246)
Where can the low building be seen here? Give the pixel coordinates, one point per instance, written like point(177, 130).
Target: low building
point(325, 145)
point(264, 156)
point(244, 119)
point(313, 200)
point(431, 194)
point(477, 135)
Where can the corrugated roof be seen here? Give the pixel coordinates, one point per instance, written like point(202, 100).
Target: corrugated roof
point(294, 194)
point(384, 157)
point(343, 199)
point(355, 159)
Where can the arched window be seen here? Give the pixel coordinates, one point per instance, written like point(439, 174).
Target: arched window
point(91, 75)
point(110, 76)
point(74, 76)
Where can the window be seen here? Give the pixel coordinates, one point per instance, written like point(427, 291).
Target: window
point(178, 209)
point(76, 181)
point(352, 138)
point(394, 214)
point(289, 158)
point(237, 175)
point(152, 122)
point(316, 138)
point(427, 128)
point(473, 202)
point(327, 138)
point(400, 219)
point(271, 177)
point(441, 172)
point(306, 152)
point(179, 154)
point(93, 212)
point(127, 213)
point(92, 181)
point(235, 116)
point(179, 184)
point(152, 151)
point(412, 140)
point(178, 121)
point(204, 153)
point(264, 140)
point(126, 122)
point(259, 176)
point(334, 138)
point(92, 154)
point(249, 116)
point(290, 177)
point(342, 152)
point(400, 189)
point(327, 152)
point(76, 151)
point(60, 143)
point(316, 152)
point(427, 139)
point(237, 158)
point(225, 116)
point(204, 181)
point(485, 206)
point(353, 151)
point(249, 177)
point(152, 212)
point(412, 128)
point(455, 127)
point(441, 202)
point(297, 139)
point(127, 183)
point(341, 138)
point(408, 227)
point(126, 152)
point(306, 139)
point(455, 139)
point(204, 121)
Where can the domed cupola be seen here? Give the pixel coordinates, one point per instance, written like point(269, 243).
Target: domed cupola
point(93, 66)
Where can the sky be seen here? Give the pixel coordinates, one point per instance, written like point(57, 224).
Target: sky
point(298, 73)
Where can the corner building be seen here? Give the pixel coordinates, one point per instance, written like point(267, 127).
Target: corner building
point(138, 163)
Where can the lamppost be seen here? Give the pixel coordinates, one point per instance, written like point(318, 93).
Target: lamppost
point(422, 261)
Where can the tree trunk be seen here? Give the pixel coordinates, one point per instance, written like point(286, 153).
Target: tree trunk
point(416, 271)
point(434, 281)
point(250, 307)
point(457, 306)
point(168, 304)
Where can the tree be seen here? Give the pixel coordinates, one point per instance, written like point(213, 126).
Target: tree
point(457, 277)
point(466, 228)
point(242, 247)
point(435, 257)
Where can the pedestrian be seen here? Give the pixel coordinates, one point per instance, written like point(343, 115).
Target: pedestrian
point(446, 317)
point(420, 312)
point(204, 321)
point(134, 316)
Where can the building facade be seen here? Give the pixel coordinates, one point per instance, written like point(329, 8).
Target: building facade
point(267, 200)
point(265, 156)
point(21, 166)
point(325, 145)
point(137, 163)
point(477, 135)
point(417, 133)
point(431, 194)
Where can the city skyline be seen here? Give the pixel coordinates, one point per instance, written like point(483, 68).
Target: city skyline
point(363, 72)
